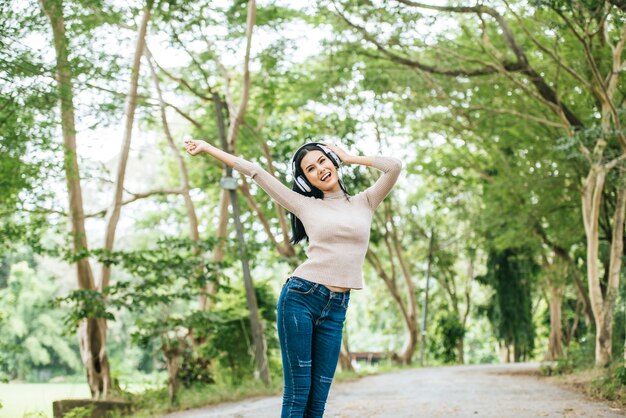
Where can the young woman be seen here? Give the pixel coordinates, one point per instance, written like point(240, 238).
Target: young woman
point(313, 302)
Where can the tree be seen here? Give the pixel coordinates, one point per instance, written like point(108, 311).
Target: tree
point(511, 273)
point(511, 50)
point(33, 345)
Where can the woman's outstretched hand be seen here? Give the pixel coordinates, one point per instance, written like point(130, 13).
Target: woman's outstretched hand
point(196, 146)
point(345, 157)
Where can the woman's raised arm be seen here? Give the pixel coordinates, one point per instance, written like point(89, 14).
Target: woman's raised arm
point(284, 196)
point(196, 146)
point(390, 166)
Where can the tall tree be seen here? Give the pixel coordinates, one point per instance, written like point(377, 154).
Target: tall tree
point(511, 273)
point(93, 333)
point(506, 46)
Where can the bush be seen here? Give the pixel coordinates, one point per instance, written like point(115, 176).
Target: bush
point(612, 385)
point(195, 370)
point(449, 332)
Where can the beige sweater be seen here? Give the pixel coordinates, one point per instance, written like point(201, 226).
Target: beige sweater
point(338, 228)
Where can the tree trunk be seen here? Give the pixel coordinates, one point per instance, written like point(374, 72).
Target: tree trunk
point(91, 332)
point(460, 350)
point(604, 330)
point(260, 349)
point(237, 119)
point(602, 306)
point(113, 213)
point(578, 281)
point(194, 233)
point(172, 350)
point(390, 282)
point(345, 362)
point(555, 346)
point(412, 326)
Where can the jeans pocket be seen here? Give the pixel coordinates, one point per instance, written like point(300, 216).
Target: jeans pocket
point(300, 286)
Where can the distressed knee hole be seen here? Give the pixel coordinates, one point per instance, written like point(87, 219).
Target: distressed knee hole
point(304, 363)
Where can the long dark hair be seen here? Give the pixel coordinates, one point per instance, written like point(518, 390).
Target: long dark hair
point(298, 233)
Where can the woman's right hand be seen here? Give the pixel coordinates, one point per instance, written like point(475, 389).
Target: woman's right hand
point(196, 146)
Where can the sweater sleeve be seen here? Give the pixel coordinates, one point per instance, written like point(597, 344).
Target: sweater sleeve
point(284, 196)
point(391, 168)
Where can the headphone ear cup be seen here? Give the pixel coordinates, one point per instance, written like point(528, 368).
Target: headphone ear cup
point(302, 184)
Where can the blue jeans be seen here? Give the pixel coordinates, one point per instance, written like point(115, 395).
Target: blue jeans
point(310, 322)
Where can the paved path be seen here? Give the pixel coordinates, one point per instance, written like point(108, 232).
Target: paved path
point(461, 391)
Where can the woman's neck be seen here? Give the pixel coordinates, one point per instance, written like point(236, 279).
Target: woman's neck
point(334, 194)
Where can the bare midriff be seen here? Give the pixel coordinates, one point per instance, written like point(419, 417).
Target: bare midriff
point(337, 289)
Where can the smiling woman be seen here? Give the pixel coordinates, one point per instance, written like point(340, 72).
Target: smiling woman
point(320, 171)
point(314, 300)
point(314, 166)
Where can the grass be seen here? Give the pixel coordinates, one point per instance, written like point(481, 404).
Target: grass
point(385, 366)
point(35, 399)
point(154, 403)
point(604, 384)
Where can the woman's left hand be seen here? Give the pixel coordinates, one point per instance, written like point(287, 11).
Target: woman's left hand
point(345, 157)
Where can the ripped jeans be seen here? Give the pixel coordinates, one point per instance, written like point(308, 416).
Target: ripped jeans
point(310, 322)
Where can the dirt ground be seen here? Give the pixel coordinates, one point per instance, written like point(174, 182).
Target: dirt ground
point(512, 390)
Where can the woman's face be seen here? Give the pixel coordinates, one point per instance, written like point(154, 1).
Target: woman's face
point(320, 171)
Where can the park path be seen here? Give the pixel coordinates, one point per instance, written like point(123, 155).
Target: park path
point(513, 390)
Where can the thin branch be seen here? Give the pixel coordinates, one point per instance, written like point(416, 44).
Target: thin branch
point(183, 82)
point(193, 58)
point(551, 53)
point(137, 196)
point(611, 164)
point(521, 115)
point(184, 115)
point(432, 69)
point(523, 65)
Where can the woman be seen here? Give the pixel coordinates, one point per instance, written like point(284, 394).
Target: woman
point(313, 302)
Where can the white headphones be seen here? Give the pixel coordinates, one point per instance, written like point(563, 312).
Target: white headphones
point(300, 181)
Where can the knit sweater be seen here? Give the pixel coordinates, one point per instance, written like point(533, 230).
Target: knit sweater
point(338, 227)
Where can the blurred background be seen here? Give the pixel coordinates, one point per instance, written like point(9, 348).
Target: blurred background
point(121, 271)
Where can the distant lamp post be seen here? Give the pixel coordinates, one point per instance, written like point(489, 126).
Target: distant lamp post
point(425, 304)
point(229, 183)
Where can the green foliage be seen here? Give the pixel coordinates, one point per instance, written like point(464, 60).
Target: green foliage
point(579, 355)
point(169, 272)
point(612, 384)
point(155, 402)
point(228, 339)
point(80, 412)
point(449, 333)
point(194, 370)
point(510, 273)
point(33, 346)
point(486, 163)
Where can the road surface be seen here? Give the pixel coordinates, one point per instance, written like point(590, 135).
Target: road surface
point(513, 390)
